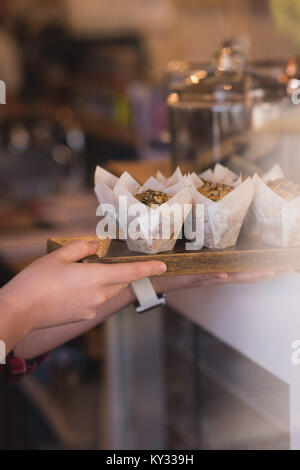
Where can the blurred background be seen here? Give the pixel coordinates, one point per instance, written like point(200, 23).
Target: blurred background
point(104, 82)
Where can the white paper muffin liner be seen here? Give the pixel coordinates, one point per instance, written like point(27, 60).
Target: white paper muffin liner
point(223, 219)
point(150, 239)
point(109, 189)
point(174, 179)
point(104, 185)
point(278, 220)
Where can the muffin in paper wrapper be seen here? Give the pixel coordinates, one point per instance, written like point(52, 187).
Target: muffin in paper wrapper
point(222, 219)
point(105, 183)
point(278, 220)
point(148, 221)
point(108, 187)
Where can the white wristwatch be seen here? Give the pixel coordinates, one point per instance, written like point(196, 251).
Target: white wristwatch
point(146, 295)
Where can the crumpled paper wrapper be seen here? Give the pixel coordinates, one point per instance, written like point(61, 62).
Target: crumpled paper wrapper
point(174, 179)
point(104, 185)
point(278, 220)
point(150, 239)
point(223, 219)
point(221, 174)
point(108, 187)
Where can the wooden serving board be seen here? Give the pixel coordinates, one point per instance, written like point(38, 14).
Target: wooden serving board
point(245, 256)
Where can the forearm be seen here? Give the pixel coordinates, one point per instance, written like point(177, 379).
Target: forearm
point(13, 325)
point(8, 334)
point(44, 340)
point(41, 341)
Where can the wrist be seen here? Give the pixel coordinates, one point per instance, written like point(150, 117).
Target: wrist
point(160, 285)
point(14, 324)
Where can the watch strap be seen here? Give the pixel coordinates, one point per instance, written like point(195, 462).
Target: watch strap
point(146, 295)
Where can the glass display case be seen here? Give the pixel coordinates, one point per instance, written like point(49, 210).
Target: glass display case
point(173, 385)
point(231, 111)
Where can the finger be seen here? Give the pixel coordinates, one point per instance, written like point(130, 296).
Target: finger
point(112, 291)
point(77, 250)
point(89, 315)
point(249, 277)
point(170, 283)
point(240, 278)
point(128, 272)
point(206, 279)
point(211, 276)
point(213, 282)
point(222, 276)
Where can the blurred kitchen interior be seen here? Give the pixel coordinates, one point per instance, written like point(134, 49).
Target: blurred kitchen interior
point(87, 84)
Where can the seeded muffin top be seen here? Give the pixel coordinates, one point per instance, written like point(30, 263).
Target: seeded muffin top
point(215, 191)
point(150, 197)
point(285, 188)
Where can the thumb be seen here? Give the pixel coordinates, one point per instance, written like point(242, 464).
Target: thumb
point(77, 250)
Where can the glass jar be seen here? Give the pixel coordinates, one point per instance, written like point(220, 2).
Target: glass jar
point(227, 112)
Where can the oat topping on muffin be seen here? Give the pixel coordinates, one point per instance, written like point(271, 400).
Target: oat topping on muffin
point(285, 188)
point(150, 197)
point(215, 191)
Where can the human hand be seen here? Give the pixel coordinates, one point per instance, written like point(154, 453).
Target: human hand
point(55, 290)
point(247, 277)
point(170, 283)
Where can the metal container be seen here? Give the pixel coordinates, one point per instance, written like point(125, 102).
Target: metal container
point(229, 112)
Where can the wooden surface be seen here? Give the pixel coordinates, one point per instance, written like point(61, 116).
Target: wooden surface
point(57, 242)
point(237, 259)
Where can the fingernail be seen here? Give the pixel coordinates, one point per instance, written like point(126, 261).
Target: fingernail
point(222, 276)
point(161, 268)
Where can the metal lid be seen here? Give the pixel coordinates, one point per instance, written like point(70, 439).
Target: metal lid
point(229, 79)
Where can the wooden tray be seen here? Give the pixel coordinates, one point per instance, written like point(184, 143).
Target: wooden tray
point(243, 257)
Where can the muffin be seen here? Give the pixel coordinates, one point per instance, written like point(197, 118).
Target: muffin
point(150, 197)
point(276, 208)
point(215, 191)
point(149, 213)
point(226, 200)
point(285, 188)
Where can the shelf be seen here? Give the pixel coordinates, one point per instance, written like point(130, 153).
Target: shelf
point(90, 124)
